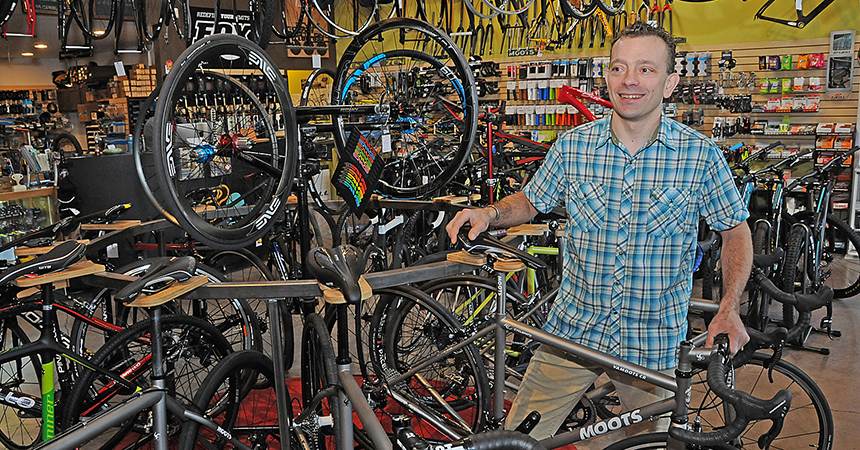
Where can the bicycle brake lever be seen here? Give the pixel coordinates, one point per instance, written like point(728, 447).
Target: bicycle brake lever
point(766, 439)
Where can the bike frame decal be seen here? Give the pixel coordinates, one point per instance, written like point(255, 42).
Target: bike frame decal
point(48, 400)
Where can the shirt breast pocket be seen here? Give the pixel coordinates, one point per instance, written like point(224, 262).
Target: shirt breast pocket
point(668, 211)
point(586, 205)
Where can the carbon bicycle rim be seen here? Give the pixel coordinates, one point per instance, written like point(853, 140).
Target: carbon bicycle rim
point(225, 152)
point(340, 18)
point(425, 94)
point(150, 15)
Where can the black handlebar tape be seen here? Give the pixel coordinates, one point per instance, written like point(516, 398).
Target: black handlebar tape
point(747, 408)
point(497, 440)
point(803, 302)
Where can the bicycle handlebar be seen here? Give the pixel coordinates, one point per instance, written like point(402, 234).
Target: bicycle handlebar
point(829, 167)
point(803, 302)
point(497, 440)
point(747, 408)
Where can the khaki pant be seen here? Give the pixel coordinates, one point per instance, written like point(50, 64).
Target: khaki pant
point(554, 383)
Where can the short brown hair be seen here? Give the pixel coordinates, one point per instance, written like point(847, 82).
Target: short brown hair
point(639, 28)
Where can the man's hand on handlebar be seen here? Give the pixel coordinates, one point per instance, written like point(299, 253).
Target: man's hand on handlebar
point(728, 322)
point(479, 219)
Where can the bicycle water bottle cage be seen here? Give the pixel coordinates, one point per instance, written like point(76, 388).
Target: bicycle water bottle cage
point(484, 243)
point(341, 266)
point(162, 273)
point(802, 19)
point(60, 257)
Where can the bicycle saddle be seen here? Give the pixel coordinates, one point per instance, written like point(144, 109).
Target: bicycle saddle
point(60, 257)
point(485, 243)
point(341, 266)
point(768, 260)
point(162, 273)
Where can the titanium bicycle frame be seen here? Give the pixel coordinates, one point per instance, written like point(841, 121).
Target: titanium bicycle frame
point(677, 405)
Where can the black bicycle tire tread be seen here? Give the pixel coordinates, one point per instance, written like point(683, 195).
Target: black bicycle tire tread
point(67, 137)
point(793, 248)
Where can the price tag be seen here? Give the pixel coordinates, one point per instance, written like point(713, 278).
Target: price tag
point(316, 61)
point(386, 141)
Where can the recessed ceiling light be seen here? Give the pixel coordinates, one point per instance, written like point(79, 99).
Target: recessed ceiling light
point(27, 54)
point(99, 32)
point(41, 46)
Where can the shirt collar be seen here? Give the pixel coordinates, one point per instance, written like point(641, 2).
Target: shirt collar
point(662, 133)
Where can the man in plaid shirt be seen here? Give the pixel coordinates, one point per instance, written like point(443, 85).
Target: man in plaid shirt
point(634, 185)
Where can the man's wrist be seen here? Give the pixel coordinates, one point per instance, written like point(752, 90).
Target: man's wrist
point(497, 214)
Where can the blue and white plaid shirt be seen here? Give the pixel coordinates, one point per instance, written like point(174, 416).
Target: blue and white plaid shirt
point(630, 242)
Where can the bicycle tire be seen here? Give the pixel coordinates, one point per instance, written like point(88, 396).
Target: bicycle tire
point(517, 9)
point(408, 326)
point(229, 396)
point(234, 318)
point(240, 194)
point(62, 144)
point(242, 265)
point(758, 301)
point(144, 160)
point(793, 270)
point(7, 7)
point(333, 25)
point(20, 429)
point(289, 17)
point(150, 16)
point(610, 7)
point(319, 372)
point(417, 167)
point(262, 16)
point(192, 348)
point(92, 22)
point(311, 94)
point(808, 424)
point(578, 9)
point(472, 300)
point(180, 17)
point(837, 231)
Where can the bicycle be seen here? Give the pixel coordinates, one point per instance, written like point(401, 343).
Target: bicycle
point(811, 257)
point(500, 325)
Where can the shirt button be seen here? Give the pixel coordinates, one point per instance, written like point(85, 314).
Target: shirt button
point(620, 251)
point(623, 222)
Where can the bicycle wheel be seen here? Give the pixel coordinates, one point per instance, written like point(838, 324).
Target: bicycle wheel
point(192, 348)
point(794, 275)
point(262, 16)
point(408, 327)
point(473, 300)
point(97, 19)
point(234, 318)
point(316, 90)
point(808, 424)
point(7, 7)
point(340, 18)
point(150, 15)
point(225, 169)
point(228, 397)
point(289, 16)
point(428, 104)
point(318, 373)
point(610, 7)
point(180, 16)
point(21, 427)
point(242, 265)
point(758, 303)
point(840, 272)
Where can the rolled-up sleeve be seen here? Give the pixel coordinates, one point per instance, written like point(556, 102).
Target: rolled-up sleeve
point(546, 187)
point(722, 205)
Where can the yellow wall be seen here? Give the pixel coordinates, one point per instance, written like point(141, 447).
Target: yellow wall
point(730, 21)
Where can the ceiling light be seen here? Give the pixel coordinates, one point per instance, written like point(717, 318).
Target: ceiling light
point(99, 32)
point(41, 46)
point(27, 54)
